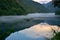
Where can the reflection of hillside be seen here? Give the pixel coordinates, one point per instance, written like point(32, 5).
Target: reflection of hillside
point(42, 31)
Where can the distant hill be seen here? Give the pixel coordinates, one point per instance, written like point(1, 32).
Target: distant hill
point(50, 6)
point(20, 7)
point(52, 9)
point(33, 7)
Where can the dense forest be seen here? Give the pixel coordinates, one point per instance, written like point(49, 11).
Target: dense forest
point(57, 4)
point(11, 7)
point(21, 7)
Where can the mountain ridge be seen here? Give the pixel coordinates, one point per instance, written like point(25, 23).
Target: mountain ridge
point(32, 6)
point(21, 7)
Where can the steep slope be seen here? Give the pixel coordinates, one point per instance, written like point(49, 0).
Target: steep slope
point(50, 6)
point(11, 7)
point(32, 6)
point(20, 7)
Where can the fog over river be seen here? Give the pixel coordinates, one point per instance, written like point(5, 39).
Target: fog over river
point(28, 16)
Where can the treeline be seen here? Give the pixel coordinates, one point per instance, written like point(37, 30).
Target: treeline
point(57, 12)
point(11, 7)
point(56, 37)
point(57, 4)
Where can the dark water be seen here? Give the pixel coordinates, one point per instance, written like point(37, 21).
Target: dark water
point(21, 22)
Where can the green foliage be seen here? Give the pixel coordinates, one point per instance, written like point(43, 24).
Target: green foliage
point(56, 37)
point(21, 7)
point(57, 12)
point(6, 33)
point(56, 3)
point(11, 7)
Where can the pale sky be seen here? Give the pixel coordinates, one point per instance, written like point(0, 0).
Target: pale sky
point(42, 1)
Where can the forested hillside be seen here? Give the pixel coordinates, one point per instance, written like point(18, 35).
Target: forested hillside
point(33, 7)
point(21, 7)
point(11, 7)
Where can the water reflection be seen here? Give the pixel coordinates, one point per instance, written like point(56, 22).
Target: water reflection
point(37, 32)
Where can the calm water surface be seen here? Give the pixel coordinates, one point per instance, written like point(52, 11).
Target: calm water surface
point(40, 26)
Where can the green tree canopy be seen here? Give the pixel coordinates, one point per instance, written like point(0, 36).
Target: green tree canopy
point(56, 3)
point(11, 7)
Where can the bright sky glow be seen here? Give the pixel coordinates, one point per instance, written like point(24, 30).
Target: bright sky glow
point(42, 1)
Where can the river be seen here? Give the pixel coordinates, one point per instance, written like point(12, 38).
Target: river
point(36, 26)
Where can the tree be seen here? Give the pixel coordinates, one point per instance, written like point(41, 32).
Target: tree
point(56, 3)
point(11, 7)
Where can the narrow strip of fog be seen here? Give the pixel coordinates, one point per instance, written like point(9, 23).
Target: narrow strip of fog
point(32, 15)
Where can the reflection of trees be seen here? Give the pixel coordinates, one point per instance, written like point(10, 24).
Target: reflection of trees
point(55, 29)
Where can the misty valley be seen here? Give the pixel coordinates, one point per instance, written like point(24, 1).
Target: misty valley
point(29, 19)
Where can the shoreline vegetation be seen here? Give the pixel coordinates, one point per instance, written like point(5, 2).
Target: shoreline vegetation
point(56, 37)
point(7, 32)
